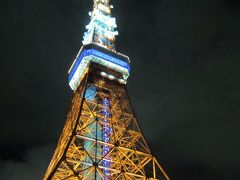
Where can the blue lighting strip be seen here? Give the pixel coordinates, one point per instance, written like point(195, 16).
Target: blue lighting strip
point(106, 136)
point(98, 54)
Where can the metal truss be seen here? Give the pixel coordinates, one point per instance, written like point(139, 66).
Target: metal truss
point(83, 153)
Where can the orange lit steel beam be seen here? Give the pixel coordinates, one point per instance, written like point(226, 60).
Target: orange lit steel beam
point(160, 167)
point(112, 145)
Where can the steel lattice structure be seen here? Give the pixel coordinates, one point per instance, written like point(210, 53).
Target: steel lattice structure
point(101, 139)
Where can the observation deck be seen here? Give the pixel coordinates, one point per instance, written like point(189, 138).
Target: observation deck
point(93, 53)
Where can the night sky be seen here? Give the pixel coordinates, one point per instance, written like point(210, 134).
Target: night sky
point(184, 84)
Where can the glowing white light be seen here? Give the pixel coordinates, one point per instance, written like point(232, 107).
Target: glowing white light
point(111, 77)
point(103, 74)
point(122, 81)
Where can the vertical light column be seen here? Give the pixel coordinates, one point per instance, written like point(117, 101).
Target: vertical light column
point(106, 136)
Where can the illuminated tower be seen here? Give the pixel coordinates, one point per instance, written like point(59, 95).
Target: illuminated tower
point(101, 138)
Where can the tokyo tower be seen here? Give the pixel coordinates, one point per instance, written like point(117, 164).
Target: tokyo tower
point(101, 139)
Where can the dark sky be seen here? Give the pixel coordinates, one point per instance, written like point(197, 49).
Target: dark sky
point(184, 84)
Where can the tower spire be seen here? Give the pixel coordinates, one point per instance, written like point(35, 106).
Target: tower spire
point(102, 27)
